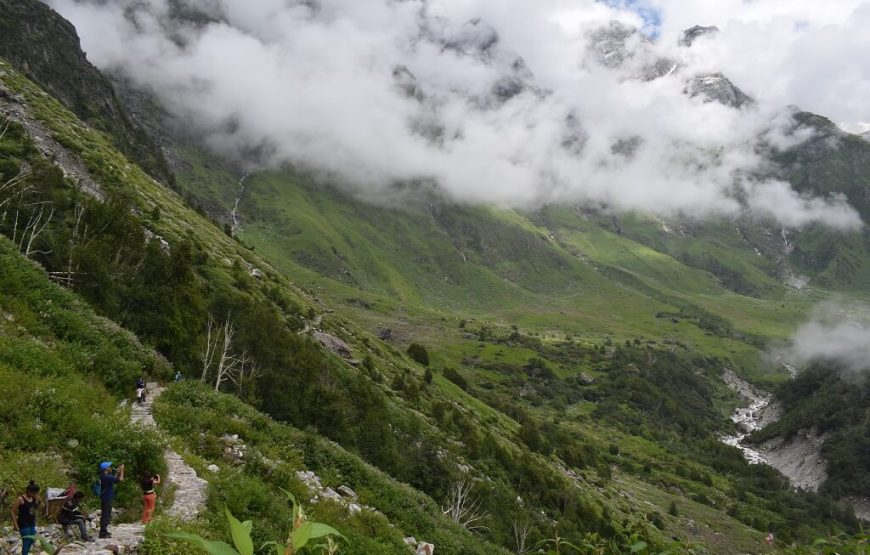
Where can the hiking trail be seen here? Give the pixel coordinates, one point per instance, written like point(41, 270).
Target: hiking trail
point(190, 489)
point(189, 502)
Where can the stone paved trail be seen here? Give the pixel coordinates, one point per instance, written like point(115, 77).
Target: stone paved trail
point(190, 489)
point(190, 493)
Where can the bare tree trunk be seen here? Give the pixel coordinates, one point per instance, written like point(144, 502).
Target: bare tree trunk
point(226, 361)
point(463, 509)
point(521, 530)
point(207, 355)
point(35, 229)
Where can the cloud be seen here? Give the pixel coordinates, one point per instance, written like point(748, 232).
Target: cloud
point(544, 102)
point(837, 334)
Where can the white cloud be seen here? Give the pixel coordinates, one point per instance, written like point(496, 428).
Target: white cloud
point(837, 334)
point(317, 87)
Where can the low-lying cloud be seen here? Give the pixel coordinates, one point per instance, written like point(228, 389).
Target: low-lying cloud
point(515, 105)
point(836, 334)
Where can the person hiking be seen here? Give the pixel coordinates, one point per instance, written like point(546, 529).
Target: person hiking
point(108, 479)
point(149, 496)
point(140, 390)
point(72, 515)
point(178, 376)
point(24, 516)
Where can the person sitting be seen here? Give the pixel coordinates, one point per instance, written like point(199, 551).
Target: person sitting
point(72, 515)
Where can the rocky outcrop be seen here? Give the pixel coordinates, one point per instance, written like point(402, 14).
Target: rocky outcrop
point(715, 87)
point(13, 107)
point(798, 458)
point(693, 33)
point(342, 495)
point(333, 343)
point(621, 46)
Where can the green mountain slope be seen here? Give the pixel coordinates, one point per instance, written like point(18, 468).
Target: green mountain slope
point(46, 47)
point(576, 358)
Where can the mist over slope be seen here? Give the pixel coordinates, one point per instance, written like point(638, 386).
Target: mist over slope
point(555, 102)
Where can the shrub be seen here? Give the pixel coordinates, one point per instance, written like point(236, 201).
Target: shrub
point(456, 378)
point(419, 353)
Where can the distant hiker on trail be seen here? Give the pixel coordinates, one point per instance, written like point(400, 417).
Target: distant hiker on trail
point(72, 515)
point(178, 377)
point(140, 390)
point(24, 516)
point(149, 496)
point(108, 479)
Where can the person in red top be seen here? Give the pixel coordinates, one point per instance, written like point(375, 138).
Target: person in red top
point(149, 496)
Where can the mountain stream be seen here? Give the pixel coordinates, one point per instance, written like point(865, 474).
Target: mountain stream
point(237, 223)
point(749, 418)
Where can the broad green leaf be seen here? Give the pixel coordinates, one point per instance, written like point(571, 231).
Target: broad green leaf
point(300, 536)
point(248, 525)
point(211, 547)
point(820, 541)
point(241, 535)
point(637, 547)
point(319, 530)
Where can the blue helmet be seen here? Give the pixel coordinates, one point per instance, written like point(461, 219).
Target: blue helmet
point(104, 465)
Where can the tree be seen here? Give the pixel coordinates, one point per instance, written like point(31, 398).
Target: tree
point(419, 353)
point(218, 344)
point(463, 509)
point(522, 530)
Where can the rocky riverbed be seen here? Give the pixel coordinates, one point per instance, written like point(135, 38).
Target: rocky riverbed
point(757, 413)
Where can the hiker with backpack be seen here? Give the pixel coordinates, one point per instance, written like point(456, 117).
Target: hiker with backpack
point(72, 515)
point(105, 488)
point(149, 496)
point(24, 516)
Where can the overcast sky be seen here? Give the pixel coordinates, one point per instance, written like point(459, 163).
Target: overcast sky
point(503, 102)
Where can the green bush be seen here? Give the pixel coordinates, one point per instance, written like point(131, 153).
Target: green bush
point(418, 353)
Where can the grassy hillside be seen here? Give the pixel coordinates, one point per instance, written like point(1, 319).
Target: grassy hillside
point(63, 371)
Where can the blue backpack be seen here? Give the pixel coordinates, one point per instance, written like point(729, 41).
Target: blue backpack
point(97, 488)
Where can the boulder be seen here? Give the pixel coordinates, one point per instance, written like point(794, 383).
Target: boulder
point(345, 491)
point(333, 343)
point(424, 548)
